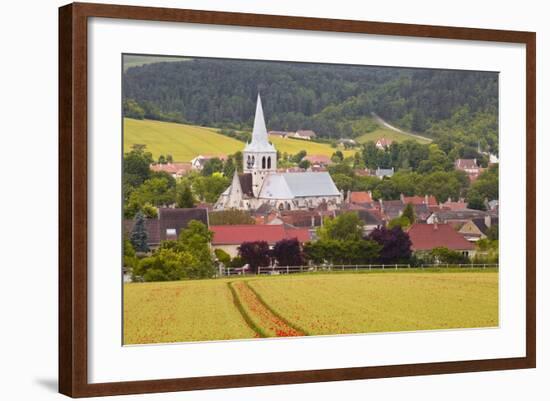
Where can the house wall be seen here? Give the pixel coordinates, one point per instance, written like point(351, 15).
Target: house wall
point(232, 250)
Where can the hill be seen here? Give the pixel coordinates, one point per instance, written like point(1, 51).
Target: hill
point(455, 108)
point(184, 141)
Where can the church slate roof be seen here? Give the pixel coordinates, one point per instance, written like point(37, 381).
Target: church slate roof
point(297, 185)
point(246, 184)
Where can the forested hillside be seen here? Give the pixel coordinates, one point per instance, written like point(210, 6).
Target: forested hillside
point(334, 100)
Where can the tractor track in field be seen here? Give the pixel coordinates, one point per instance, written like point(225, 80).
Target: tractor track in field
point(258, 315)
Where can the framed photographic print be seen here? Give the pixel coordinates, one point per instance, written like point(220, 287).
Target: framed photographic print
point(251, 200)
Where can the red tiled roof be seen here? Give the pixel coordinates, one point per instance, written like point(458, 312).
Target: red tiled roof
point(466, 164)
point(425, 237)
point(384, 142)
point(320, 159)
point(360, 197)
point(172, 168)
point(455, 205)
point(420, 200)
point(237, 234)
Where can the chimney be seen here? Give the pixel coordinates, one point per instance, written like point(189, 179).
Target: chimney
point(381, 205)
point(435, 226)
point(312, 220)
point(426, 200)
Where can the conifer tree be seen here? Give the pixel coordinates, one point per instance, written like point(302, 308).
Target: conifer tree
point(138, 238)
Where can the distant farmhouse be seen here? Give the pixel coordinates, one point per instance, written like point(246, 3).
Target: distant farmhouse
point(383, 143)
point(304, 134)
point(198, 162)
point(280, 134)
point(470, 167)
point(176, 170)
point(262, 184)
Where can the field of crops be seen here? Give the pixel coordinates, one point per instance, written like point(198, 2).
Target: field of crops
point(184, 142)
point(308, 304)
point(367, 303)
point(181, 311)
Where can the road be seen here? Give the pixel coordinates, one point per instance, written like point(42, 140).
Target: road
point(382, 122)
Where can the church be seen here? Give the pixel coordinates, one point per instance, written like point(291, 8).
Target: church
point(262, 184)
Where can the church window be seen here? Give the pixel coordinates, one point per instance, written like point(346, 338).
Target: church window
point(263, 162)
point(269, 162)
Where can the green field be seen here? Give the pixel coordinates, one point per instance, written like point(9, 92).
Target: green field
point(137, 61)
point(308, 304)
point(387, 133)
point(184, 142)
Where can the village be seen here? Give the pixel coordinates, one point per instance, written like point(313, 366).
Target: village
point(272, 215)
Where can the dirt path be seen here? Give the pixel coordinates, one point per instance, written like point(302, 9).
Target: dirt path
point(261, 318)
point(379, 120)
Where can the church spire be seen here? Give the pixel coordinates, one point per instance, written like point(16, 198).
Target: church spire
point(259, 141)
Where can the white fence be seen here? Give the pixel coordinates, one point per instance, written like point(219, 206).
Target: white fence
point(274, 270)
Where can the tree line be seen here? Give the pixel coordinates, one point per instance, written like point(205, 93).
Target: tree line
point(333, 100)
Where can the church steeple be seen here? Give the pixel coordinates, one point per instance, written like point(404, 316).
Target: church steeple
point(259, 141)
point(259, 156)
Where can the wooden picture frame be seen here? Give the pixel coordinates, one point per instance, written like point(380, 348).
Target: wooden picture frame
point(73, 194)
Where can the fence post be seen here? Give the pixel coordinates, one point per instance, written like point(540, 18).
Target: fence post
point(301, 268)
point(370, 267)
point(396, 266)
point(259, 270)
point(356, 268)
point(287, 269)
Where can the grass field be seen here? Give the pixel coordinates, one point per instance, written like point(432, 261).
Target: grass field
point(184, 142)
point(308, 304)
point(387, 133)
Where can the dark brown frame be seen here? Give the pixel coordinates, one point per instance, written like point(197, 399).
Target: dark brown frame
point(73, 198)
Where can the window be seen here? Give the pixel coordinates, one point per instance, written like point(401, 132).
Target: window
point(170, 232)
point(263, 162)
point(269, 162)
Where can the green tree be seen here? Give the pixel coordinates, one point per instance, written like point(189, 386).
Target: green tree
point(209, 189)
point(184, 196)
point(408, 213)
point(445, 255)
point(342, 182)
point(401, 221)
point(305, 164)
point(346, 227)
point(211, 166)
point(223, 257)
point(138, 237)
point(132, 109)
point(136, 166)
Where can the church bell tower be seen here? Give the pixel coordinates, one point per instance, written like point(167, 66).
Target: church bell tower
point(259, 156)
